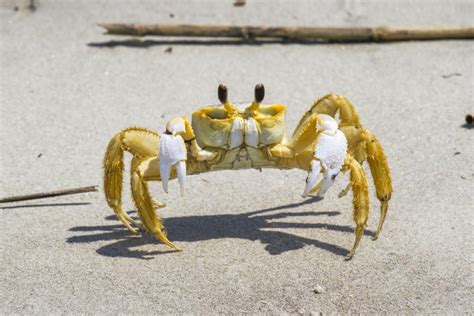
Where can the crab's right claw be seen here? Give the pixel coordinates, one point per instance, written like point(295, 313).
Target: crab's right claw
point(172, 153)
point(313, 174)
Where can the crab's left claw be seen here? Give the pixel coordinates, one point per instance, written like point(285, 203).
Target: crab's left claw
point(172, 153)
point(329, 156)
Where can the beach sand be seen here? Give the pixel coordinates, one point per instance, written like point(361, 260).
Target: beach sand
point(250, 243)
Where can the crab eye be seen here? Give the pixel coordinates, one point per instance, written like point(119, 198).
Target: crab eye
point(222, 93)
point(259, 93)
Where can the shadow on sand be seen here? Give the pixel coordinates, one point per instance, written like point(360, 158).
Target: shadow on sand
point(250, 226)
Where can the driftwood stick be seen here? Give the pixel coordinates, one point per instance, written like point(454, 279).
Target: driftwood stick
point(348, 34)
point(48, 194)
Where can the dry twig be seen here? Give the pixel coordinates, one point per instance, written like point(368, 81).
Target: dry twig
point(361, 34)
point(48, 194)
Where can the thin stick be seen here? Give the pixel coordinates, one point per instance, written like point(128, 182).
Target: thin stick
point(361, 34)
point(48, 194)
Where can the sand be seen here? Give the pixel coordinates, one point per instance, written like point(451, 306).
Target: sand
point(251, 243)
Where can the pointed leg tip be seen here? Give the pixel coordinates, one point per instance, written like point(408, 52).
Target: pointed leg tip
point(173, 246)
point(349, 256)
point(375, 237)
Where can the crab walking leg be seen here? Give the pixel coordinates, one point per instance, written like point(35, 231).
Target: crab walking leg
point(138, 141)
point(113, 165)
point(381, 175)
point(356, 141)
point(157, 204)
point(345, 191)
point(360, 199)
point(330, 104)
point(144, 203)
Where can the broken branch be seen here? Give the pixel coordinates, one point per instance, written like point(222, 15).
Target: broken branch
point(48, 194)
point(348, 34)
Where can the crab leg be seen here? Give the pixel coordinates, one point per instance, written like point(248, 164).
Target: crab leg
point(345, 190)
point(360, 199)
point(144, 202)
point(138, 141)
point(381, 175)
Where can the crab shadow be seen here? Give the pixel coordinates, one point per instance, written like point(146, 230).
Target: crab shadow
point(255, 225)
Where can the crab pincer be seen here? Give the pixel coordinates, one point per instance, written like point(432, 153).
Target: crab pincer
point(172, 153)
point(329, 156)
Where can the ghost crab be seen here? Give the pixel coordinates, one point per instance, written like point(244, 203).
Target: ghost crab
point(228, 137)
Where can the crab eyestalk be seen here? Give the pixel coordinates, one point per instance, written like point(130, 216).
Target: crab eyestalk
point(259, 96)
point(223, 95)
point(259, 93)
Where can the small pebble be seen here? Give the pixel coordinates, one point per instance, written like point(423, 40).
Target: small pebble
point(469, 118)
point(239, 3)
point(318, 289)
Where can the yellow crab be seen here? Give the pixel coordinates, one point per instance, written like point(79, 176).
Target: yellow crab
point(245, 136)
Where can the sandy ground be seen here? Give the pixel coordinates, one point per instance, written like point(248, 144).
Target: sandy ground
point(251, 243)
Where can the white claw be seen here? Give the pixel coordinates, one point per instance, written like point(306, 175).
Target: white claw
point(181, 170)
point(329, 155)
point(312, 176)
point(165, 170)
point(171, 152)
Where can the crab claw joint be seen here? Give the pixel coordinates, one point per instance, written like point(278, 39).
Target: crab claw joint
point(172, 153)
